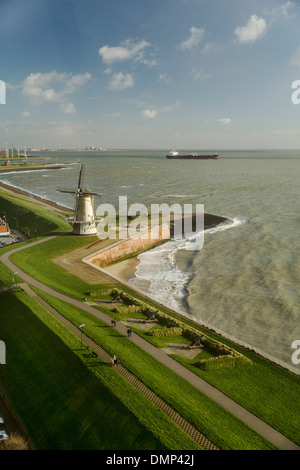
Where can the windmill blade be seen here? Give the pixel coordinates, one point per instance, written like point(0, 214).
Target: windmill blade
point(70, 191)
point(81, 175)
point(86, 192)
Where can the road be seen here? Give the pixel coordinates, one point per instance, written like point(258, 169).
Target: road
point(262, 428)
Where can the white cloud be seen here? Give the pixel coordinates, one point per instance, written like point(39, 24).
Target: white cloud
point(284, 8)
point(163, 77)
point(149, 62)
point(152, 113)
point(68, 108)
point(149, 113)
point(120, 81)
point(209, 48)
point(52, 86)
point(26, 114)
point(195, 38)
point(199, 75)
point(279, 11)
point(127, 50)
point(170, 108)
point(254, 30)
point(224, 121)
point(295, 60)
point(117, 114)
point(285, 132)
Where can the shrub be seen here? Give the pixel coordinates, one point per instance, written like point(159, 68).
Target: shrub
point(167, 321)
point(127, 309)
point(231, 360)
point(166, 332)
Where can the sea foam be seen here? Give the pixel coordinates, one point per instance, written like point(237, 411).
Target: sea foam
point(167, 283)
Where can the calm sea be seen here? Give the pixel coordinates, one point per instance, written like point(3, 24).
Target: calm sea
point(244, 281)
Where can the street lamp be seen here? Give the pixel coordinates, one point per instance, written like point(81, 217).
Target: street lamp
point(13, 278)
point(81, 326)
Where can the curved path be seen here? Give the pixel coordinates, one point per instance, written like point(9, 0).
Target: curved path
point(262, 428)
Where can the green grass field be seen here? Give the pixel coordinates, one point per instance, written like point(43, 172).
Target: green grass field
point(66, 401)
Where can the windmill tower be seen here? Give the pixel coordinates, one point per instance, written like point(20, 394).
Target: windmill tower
point(84, 219)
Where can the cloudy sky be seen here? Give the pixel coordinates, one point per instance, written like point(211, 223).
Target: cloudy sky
point(203, 74)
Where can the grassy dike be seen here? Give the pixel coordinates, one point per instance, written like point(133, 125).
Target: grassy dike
point(262, 390)
point(30, 216)
point(61, 401)
point(271, 383)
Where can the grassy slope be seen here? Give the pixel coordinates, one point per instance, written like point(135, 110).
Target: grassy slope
point(218, 425)
point(261, 390)
point(50, 273)
point(64, 400)
point(30, 215)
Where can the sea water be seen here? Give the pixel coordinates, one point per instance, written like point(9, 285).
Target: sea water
point(244, 281)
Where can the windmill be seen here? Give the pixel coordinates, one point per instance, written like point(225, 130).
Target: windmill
point(84, 219)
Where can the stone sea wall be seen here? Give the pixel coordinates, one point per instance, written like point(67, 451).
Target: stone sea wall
point(128, 247)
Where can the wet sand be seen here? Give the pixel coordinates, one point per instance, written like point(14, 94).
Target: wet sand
point(124, 270)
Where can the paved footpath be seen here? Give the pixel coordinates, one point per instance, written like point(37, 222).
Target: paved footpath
point(262, 428)
point(131, 378)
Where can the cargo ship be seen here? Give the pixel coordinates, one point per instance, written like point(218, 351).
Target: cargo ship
point(173, 155)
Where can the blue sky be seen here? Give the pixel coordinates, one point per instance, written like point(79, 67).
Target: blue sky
point(202, 74)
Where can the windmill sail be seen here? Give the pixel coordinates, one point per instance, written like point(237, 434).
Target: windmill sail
point(80, 177)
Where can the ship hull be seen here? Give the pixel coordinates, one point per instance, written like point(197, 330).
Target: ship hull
point(192, 157)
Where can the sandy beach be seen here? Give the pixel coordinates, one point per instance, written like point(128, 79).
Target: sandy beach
point(124, 270)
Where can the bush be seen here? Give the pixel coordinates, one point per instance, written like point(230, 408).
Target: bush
point(215, 347)
point(232, 360)
point(127, 309)
point(166, 332)
point(167, 321)
point(190, 334)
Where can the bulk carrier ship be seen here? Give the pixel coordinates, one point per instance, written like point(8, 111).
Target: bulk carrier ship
point(173, 155)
